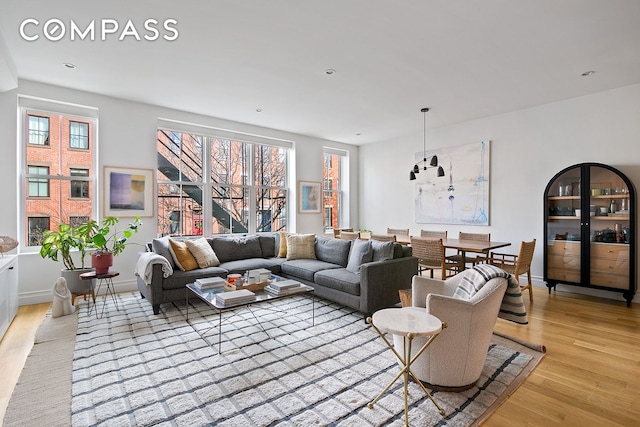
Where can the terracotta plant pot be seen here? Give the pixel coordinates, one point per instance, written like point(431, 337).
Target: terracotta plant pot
point(101, 262)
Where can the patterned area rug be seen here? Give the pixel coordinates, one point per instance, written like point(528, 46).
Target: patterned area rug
point(135, 368)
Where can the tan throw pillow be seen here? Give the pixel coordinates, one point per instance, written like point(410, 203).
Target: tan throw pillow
point(181, 255)
point(282, 251)
point(203, 253)
point(301, 246)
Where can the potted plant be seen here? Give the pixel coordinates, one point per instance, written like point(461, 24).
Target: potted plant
point(106, 239)
point(61, 243)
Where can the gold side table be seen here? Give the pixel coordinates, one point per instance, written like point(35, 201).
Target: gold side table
point(408, 322)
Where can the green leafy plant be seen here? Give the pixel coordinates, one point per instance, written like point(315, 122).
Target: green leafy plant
point(105, 237)
point(61, 242)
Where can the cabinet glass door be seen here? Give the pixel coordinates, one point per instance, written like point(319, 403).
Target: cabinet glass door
point(609, 228)
point(564, 219)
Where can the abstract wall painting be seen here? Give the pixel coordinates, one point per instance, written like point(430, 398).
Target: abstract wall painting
point(128, 192)
point(462, 195)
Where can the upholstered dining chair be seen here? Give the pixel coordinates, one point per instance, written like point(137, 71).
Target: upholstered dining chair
point(402, 231)
point(349, 235)
point(383, 237)
point(433, 234)
point(466, 259)
point(454, 360)
point(430, 254)
point(517, 265)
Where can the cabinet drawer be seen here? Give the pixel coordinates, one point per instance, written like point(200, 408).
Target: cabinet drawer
point(609, 266)
point(567, 262)
point(564, 248)
point(564, 275)
point(619, 252)
point(610, 280)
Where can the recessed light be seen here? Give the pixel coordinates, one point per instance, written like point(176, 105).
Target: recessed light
point(588, 73)
point(258, 110)
point(358, 134)
point(70, 66)
point(329, 71)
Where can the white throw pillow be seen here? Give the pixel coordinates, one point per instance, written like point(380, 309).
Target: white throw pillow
point(202, 252)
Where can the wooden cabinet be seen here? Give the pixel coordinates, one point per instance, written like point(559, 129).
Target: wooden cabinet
point(8, 291)
point(589, 226)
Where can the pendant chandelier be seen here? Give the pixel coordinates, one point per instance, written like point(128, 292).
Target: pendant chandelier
point(432, 161)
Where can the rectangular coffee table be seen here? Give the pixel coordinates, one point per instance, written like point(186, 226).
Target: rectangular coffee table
point(209, 297)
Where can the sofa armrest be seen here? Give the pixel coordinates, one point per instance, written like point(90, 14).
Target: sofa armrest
point(153, 291)
point(380, 282)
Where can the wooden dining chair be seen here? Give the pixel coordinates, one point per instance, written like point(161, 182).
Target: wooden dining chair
point(349, 235)
point(433, 234)
point(383, 237)
point(466, 259)
point(337, 231)
point(402, 231)
point(430, 254)
point(517, 264)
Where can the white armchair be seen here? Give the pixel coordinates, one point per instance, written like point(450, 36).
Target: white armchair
point(455, 359)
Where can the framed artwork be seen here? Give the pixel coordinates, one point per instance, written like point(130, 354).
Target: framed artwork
point(462, 195)
point(128, 192)
point(309, 197)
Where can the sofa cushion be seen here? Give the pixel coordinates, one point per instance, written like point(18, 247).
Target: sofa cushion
point(179, 278)
point(161, 247)
point(340, 279)
point(305, 268)
point(233, 248)
point(202, 252)
point(182, 256)
point(382, 251)
point(301, 246)
point(242, 265)
point(398, 251)
point(335, 251)
point(360, 253)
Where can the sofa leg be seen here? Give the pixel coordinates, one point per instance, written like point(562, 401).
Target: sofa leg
point(141, 295)
point(156, 309)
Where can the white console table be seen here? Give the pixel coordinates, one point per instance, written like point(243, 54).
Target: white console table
point(8, 291)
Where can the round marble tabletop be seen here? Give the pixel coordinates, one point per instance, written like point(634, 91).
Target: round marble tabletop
point(407, 320)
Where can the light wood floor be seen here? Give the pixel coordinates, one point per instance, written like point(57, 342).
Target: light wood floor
point(590, 375)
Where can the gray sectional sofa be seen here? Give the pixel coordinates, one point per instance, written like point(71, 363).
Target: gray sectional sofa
point(341, 271)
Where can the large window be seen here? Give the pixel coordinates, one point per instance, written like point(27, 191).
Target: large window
point(333, 183)
point(58, 165)
point(245, 184)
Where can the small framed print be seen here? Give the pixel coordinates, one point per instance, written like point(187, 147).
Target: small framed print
point(128, 192)
point(309, 197)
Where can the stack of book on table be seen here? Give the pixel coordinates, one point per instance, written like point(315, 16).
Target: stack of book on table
point(206, 283)
point(225, 299)
point(285, 287)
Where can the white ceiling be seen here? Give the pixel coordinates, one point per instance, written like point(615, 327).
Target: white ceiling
point(466, 59)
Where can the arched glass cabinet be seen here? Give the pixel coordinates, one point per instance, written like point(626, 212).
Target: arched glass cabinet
point(589, 226)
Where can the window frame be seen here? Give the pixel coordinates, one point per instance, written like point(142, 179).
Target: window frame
point(211, 186)
point(56, 208)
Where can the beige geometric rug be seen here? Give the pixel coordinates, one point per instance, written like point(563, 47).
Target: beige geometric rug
point(134, 368)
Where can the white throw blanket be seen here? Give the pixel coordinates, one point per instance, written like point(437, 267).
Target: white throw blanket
point(144, 267)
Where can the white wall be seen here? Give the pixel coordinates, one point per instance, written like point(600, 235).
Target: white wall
point(127, 137)
point(528, 147)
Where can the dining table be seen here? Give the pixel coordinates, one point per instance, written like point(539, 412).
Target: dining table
point(476, 246)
